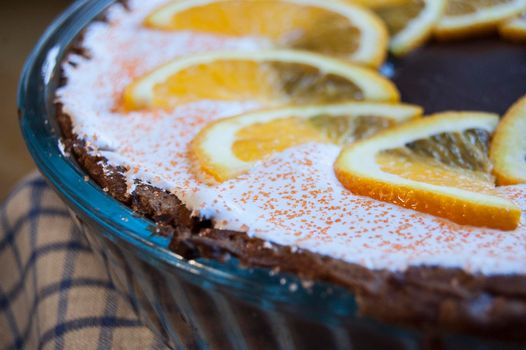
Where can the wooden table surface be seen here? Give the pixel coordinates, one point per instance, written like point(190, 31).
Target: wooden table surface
point(21, 24)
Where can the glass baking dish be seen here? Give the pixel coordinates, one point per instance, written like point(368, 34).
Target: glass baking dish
point(201, 304)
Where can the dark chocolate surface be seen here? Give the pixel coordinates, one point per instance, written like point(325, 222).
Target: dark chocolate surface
point(484, 74)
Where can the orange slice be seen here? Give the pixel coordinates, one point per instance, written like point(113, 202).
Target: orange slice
point(465, 18)
point(437, 165)
point(514, 29)
point(410, 22)
point(328, 27)
point(270, 77)
point(378, 3)
point(508, 148)
point(229, 147)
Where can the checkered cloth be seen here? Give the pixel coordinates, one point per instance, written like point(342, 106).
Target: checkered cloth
point(54, 294)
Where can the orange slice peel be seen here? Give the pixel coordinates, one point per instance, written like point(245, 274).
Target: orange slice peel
point(468, 18)
point(410, 22)
point(508, 148)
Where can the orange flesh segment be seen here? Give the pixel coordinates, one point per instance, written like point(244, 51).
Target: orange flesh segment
point(462, 7)
point(215, 81)
point(397, 15)
point(435, 173)
point(257, 141)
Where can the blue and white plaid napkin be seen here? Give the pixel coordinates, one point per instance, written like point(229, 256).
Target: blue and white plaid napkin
point(54, 294)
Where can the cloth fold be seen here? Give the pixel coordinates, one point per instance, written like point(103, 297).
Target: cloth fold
point(54, 293)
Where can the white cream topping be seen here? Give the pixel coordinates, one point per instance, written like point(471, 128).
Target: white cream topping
point(292, 198)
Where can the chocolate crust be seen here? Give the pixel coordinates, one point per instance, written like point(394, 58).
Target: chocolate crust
point(430, 298)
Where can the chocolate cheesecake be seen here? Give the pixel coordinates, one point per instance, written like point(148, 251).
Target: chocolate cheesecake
point(404, 267)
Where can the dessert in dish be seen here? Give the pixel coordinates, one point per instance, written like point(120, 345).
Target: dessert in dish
point(230, 143)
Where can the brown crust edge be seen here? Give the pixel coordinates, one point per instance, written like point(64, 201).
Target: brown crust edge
point(430, 298)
